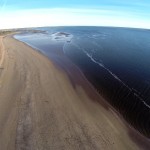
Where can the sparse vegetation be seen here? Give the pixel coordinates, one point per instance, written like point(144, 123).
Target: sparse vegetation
point(31, 30)
point(5, 32)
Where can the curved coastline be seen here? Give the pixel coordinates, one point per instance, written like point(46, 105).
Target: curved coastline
point(118, 93)
point(39, 97)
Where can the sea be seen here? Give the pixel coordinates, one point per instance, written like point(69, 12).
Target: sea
point(115, 60)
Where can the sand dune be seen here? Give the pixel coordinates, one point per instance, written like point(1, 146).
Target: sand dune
point(41, 110)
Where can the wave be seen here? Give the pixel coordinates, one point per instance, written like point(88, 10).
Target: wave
point(135, 92)
point(117, 78)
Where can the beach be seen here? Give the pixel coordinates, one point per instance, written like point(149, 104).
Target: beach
point(42, 107)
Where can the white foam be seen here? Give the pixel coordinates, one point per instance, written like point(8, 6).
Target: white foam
point(61, 36)
point(116, 77)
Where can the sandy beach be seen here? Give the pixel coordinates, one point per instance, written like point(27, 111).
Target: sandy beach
point(41, 109)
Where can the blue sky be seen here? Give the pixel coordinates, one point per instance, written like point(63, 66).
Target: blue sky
point(32, 13)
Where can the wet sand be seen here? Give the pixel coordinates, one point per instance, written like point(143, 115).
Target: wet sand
point(41, 109)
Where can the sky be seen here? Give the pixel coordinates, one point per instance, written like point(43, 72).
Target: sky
point(37, 13)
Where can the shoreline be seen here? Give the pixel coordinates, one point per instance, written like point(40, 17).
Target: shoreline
point(44, 112)
point(77, 79)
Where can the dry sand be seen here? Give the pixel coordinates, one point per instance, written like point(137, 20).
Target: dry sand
point(41, 110)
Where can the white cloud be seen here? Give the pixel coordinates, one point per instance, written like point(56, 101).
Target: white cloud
point(66, 17)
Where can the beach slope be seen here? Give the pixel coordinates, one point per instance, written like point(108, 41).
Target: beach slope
point(41, 110)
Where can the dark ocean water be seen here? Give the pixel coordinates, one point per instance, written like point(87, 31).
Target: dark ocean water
point(115, 60)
